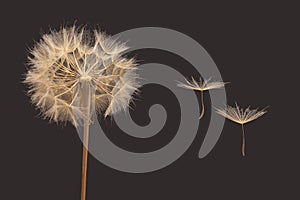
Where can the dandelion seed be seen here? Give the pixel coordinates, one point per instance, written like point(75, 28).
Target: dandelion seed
point(73, 71)
point(241, 116)
point(202, 85)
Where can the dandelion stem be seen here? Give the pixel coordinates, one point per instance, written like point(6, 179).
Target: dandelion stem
point(86, 104)
point(243, 140)
point(202, 105)
point(84, 160)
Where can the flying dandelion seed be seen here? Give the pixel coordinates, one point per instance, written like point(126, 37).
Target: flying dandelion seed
point(202, 85)
point(74, 71)
point(241, 116)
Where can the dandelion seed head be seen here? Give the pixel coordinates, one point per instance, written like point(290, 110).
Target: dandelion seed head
point(201, 85)
point(240, 115)
point(64, 59)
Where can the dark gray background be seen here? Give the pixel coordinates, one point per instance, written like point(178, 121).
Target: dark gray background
point(255, 46)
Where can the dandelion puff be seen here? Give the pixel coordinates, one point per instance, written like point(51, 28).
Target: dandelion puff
point(241, 116)
point(202, 85)
point(74, 71)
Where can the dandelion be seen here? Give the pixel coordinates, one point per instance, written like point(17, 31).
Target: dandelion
point(202, 85)
point(73, 72)
point(241, 116)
